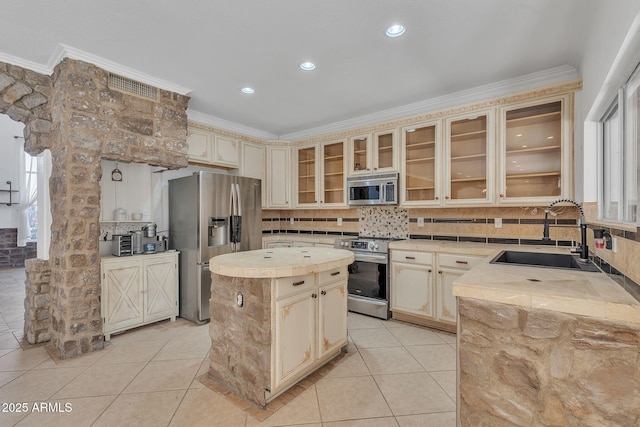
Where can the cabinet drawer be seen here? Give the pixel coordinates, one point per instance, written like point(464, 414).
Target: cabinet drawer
point(332, 275)
point(291, 285)
point(463, 262)
point(425, 258)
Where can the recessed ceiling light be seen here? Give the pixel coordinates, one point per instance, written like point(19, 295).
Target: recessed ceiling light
point(395, 30)
point(308, 66)
point(248, 90)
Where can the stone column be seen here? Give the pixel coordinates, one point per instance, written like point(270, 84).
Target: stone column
point(75, 209)
point(37, 309)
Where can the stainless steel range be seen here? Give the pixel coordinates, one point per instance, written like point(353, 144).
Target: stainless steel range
point(368, 275)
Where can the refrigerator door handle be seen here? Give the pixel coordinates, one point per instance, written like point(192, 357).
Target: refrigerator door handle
point(238, 201)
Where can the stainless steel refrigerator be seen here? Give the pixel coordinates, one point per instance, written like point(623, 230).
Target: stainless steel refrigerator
point(210, 214)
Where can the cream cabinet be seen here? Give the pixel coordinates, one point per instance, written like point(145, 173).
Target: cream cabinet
point(373, 152)
point(138, 290)
point(421, 286)
point(534, 151)
point(252, 164)
point(320, 177)
point(412, 283)
point(470, 162)
point(205, 147)
point(310, 323)
point(421, 179)
point(278, 177)
point(450, 268)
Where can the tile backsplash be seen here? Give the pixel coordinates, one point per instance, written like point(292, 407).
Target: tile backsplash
point(384, 221)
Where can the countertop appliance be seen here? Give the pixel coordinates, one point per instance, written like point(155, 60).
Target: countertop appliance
point(369, 275)
point(367, 190)
point(210, 214)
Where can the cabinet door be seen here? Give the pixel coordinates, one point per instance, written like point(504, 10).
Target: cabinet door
point(278, 177)
point(333, 176)
point(385, 151)
point(360, 155)
point(446, 308)
point(412, 289)
point(306, 184)
point(252, 164)
point(332, 317)
point(122, 298)
point(535, 140)
point(420, 151)
point(295, 335)
point(226, 152)
point(161, 279)
point(470, 164)
point(200, 145)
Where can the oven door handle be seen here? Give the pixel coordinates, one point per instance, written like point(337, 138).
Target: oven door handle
point(376, 258)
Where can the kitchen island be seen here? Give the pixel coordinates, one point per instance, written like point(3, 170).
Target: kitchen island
point(277, 315)
point(546, 346)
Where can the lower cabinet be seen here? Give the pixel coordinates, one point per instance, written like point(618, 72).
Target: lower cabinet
point(421, 286)
point(138, 290)
point(310, 323)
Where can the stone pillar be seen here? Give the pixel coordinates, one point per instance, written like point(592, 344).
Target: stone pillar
point(37, 310)
point(75, 209)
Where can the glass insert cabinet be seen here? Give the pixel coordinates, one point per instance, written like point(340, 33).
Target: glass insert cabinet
point(373, 153)
point(321, 174)
point(534, 151)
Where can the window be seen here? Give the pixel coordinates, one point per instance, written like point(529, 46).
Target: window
point(31, 172)
point(619, 141)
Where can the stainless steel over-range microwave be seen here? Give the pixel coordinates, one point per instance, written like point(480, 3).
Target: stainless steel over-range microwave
point(379, 189)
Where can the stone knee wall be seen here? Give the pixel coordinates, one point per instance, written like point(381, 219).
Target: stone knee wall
point(37, 302)
point(524, 366)
point(241, 336)
point(10, 254)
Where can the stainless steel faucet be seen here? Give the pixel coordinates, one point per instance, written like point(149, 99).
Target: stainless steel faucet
point(582, 223)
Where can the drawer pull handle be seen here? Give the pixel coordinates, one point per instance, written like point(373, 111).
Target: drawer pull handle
point(314, 296)
point(462, 262)
point(410, 257)
point(440, 272)
point(323, 292)
point(335, 273)
point(298, 283)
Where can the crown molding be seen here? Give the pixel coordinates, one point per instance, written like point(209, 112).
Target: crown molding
point(480, 93)
point(218, 123)
point(29, 65)
point(63, 51)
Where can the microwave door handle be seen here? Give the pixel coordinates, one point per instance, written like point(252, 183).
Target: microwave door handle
point(382, 192)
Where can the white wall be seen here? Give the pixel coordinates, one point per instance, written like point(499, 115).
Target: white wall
point(9, 168)
point(613, 24)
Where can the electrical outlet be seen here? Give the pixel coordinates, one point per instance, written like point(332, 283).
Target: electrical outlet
point(420, 222)
point(339, 221)
point(291, 221)
point(497, 222)
point(614, 244)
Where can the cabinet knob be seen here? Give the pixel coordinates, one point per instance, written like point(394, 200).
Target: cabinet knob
point(429, 270)
point(323, 292)
point(446, 197)
point(437, 198)
point(501, 195)
point(439, 271)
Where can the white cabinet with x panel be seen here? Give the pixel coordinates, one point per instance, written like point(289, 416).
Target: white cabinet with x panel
point(138, 290)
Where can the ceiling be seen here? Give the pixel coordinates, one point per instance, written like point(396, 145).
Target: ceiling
point(212, 48)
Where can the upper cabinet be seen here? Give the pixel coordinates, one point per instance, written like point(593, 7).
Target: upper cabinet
point(421, 164)
point(469, 159)
point(372, 153)
point(205, 147)
point(278, 177)
point(320, 177)
point(252, 164)
point(535, 151)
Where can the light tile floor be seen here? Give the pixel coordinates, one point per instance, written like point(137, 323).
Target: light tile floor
point(395, 374)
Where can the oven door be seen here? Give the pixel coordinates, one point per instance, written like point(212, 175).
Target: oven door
point(368, 285)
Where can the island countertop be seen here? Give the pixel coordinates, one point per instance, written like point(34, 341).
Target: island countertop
point(568, 291)
point(279, 262)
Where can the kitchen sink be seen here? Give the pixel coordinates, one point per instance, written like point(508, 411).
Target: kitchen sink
point(546, 260)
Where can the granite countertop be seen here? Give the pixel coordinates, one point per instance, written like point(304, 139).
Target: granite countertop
point(279, 262)
point(568, 291)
